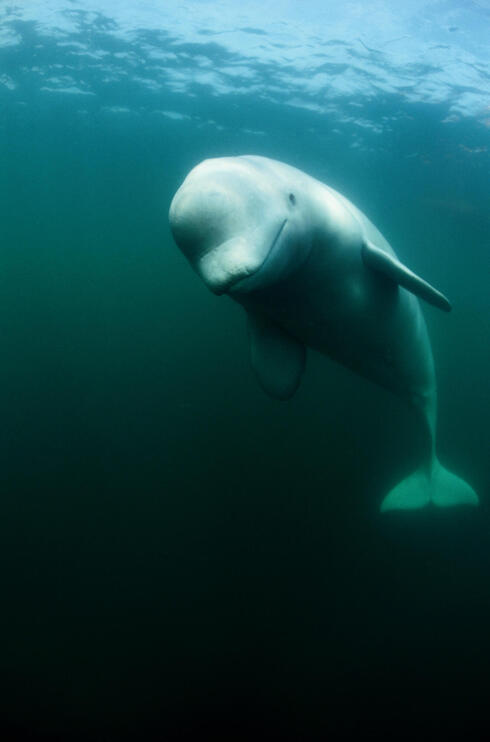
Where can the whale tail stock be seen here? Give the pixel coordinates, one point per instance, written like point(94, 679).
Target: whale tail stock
point(438, 487)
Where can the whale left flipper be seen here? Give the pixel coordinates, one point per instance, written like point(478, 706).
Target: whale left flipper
point(388, 265)
point(277, 358)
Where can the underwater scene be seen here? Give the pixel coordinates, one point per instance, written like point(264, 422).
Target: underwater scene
point(245, 343)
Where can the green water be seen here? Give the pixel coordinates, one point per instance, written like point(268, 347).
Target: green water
point(181, 554)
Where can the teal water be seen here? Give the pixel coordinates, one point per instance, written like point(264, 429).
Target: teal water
point(181, 554)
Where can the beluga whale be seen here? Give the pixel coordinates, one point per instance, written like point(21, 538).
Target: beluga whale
point(311, 271)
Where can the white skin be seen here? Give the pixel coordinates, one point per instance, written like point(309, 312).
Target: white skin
point(289, 249)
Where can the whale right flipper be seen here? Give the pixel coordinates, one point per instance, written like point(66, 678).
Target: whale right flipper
point(388, 265)
point(277, 358)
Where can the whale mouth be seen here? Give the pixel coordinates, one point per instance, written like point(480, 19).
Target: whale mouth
point(241, 283)
point(235, 263)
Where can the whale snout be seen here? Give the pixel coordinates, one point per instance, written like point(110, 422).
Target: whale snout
point(215, 237)
point(241, 263)
point(223, 266)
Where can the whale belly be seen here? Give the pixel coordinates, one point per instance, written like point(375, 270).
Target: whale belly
point(370, 326)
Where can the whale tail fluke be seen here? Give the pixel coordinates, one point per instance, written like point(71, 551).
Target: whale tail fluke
point(440, 488)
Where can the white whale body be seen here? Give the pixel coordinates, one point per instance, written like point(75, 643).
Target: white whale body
point(312, 271)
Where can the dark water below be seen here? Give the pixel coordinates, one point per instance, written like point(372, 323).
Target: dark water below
point(179, 553)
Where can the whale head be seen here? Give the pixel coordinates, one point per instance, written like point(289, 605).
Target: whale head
point(240, 224)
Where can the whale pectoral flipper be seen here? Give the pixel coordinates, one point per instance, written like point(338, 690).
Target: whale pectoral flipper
point(383, 262)
point(277, 358)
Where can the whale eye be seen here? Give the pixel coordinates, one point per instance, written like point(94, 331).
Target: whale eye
point(292, 198)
